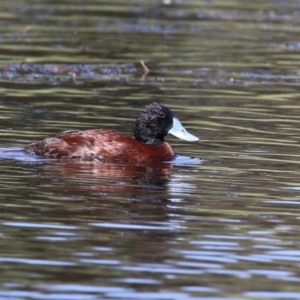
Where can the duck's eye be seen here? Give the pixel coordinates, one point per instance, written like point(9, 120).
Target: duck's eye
point(161, 114)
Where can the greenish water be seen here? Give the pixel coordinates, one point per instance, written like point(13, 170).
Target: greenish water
point(223, 224)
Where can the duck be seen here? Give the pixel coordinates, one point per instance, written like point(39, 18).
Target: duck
point(153, 123)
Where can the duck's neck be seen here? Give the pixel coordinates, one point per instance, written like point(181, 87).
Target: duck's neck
point(150, 140)
point(146, 136)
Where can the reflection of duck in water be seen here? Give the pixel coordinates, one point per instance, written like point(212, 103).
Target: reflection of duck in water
point(153, 123)
point(107, 170)
point(145, 182)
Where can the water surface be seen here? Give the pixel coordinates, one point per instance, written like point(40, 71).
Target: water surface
point(222, 220)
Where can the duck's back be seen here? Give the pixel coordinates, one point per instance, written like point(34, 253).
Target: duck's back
point(99, 145)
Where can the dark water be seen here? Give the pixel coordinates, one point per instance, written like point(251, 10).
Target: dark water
point(223, 224)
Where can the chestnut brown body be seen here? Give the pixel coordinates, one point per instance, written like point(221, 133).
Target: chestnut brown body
point(100, 145)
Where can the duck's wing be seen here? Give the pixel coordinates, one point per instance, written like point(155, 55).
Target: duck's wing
point(95, 144)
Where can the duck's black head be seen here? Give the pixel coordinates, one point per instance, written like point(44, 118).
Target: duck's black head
point(153, 124)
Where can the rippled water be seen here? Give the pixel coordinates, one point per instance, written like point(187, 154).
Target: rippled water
point(222, 220)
